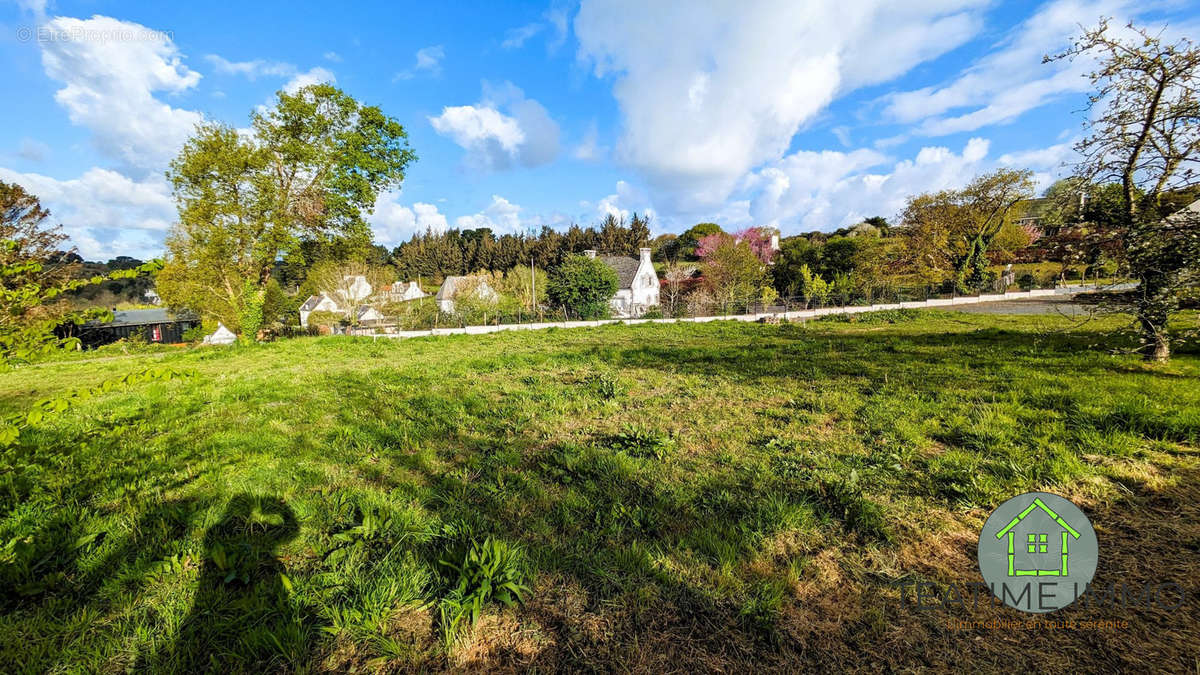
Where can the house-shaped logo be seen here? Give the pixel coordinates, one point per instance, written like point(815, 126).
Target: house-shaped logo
point(1046, 553)
point(1037, 552)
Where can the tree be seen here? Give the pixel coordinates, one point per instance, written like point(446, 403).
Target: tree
point(35, 274)
point(952, 231)
point(526, 286)
point(794, 252)
point(677, 280)
point(23, 221)
point(733, 272)
point(584, 286)
point(311, 166)
point(666, 247)
point(814, 289)
point(1143, 132)
point(690, 239)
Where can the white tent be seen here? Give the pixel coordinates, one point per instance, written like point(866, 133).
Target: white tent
point(221, 336)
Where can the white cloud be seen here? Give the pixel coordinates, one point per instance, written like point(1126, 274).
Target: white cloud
point(251, 70)
point(333, 56)
point(501, 216)
point(523, 134)
point(624, 202)
point(1048, 164)
point(1053, 157)
point(105, 213)
point(710, 91)
point(824, 190)
point(316, 75)
point(110, 88)
point(393, 222)
point(554, 18)
point(427, 60)
point(1012, 79)
point(516, 37)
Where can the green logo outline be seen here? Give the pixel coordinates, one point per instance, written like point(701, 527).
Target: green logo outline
point(1036, 545)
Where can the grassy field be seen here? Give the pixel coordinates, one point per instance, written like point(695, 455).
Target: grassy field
point(659, 497)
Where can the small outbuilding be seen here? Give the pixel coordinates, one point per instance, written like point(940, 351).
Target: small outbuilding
point(221, 336)
point(153, 325)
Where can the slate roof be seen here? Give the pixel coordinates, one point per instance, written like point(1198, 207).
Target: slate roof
point(1189, 211)
point(142, 317)
point(313, 300)
point(625, 267)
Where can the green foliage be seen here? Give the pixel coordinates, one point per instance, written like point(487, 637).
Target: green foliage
point(814, 289)
point(733, 272)
point(584, 286)
point(479, 573)
point(828, 445)
point(10, 429)
point(689, 240)
point(29, 314)
point(312, 167)
point(637, 441)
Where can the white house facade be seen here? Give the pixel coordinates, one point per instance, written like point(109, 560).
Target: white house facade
point(637, 283)
point(356, 295)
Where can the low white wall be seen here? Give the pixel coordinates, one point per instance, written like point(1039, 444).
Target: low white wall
point(790, 316)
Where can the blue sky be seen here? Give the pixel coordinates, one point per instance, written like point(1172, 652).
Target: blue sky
point(803, 116)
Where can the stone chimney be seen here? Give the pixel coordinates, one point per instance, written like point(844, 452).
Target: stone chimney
point(645, 255)
point(591, 253)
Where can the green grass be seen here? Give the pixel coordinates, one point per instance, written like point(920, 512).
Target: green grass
point(586, 498)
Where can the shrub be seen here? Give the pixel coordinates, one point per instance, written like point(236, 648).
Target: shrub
point(1026, 282)
point(604, 385)
point(641, 442)
point(583, 286)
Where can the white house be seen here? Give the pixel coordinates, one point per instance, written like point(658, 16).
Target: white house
point(637, 283)
point(318, 303)
point(399, 292)
point(452, 286)
point(355, 289)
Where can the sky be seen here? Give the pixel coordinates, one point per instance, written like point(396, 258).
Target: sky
point(799, 115)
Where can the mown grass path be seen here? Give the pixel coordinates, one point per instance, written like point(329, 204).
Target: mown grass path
point(703, 496)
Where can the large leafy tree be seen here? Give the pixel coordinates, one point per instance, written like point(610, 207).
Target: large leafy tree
point(1143, 134)
point(952, 231)
point(309, 167)
point(733, 270)
point(583, 286)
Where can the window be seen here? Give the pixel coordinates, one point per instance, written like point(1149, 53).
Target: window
point(1037, 543)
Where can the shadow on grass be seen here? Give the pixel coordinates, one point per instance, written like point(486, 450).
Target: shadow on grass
point(244, 616)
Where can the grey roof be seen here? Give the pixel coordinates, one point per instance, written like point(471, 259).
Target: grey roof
point(139, 317)
point(1190, 211)
point(625, 267)
point(311, 303)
